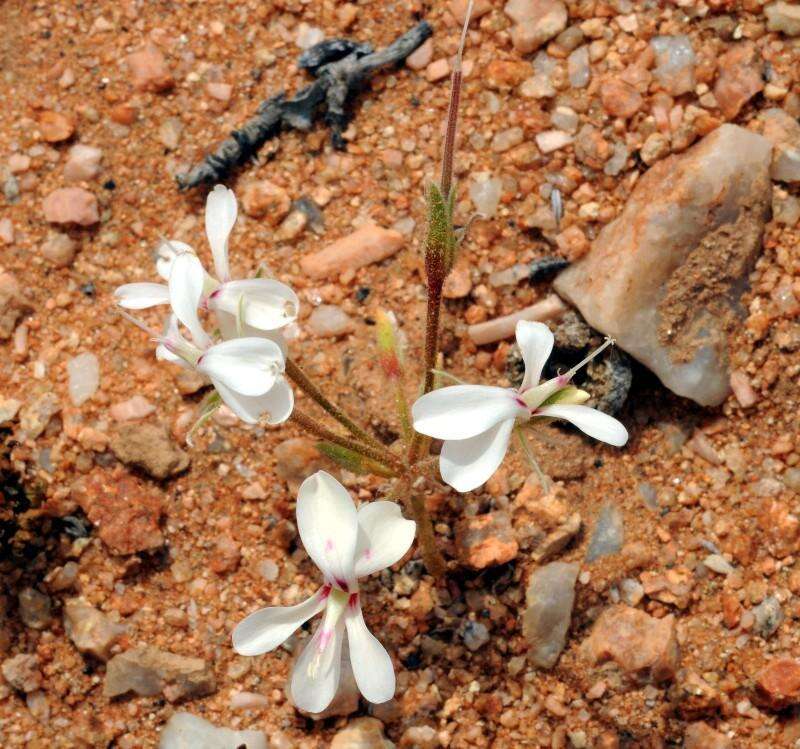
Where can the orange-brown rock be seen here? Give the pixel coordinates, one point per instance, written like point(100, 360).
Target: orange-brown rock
point(479, 9)
point(369, 244)
point(731, 610)
point(782, 528)
point(503, 75)
point(693, 696)
point(739, 78)
point(702, 736)
point(264, 198)
point(485, 540)
point(778, 683)
point(56, 126)
point(149, 70)
point(125, 511)
point(642, 646)
point(620, 98)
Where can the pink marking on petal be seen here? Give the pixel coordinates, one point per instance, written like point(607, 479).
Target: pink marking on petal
point(324, 639)
point(325, 592)
point(352, 602)
point(342, 584)
point(329, 545)
point(562, 379)
point(521, 402)
point(367, 553)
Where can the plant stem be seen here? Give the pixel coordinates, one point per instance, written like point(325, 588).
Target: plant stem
point(431, 354)
point(431, 556)
point(302, 380)
point(384, 457)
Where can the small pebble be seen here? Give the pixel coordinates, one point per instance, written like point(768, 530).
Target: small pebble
point(329, 321)
point(84, 377)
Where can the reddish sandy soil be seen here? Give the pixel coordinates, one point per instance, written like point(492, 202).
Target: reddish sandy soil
point(732, 484)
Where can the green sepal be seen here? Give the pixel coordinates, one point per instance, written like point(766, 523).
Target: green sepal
point(441, 241)
point(567, 396)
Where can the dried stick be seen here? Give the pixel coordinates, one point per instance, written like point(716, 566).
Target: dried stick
point(340, 68)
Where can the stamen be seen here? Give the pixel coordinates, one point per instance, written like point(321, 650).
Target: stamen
point(138, 323)
point(571, 373)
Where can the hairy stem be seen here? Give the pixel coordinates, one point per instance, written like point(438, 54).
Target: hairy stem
point(384, 457)
point(302, 380)
point(431, 556)
point(431, 355)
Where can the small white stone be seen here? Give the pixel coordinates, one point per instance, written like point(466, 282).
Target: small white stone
point(187, 731)
point(578, 67)
point(717, 563)
point(132, 409)
point(169, 133)
point(268, 570)
point(247, 701)
point(84, 377)
point(329, 321)
point(552, 140)
point(83, 162)
point(308, 36)
point(485, 192)
point(9, 407)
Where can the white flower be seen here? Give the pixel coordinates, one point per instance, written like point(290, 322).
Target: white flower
point(345, 544)
point(476, 421)
point(246, 372)
point(246, 307)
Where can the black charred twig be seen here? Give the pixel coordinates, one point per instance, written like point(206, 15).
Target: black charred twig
point(340, 67)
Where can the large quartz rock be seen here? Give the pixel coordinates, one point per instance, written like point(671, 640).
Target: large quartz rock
point(664, 278)
point(187, 731)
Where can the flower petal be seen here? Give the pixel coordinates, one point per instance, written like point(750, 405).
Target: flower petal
point(265, 304)
point(372, 665)
point(462, 411)
point(315, 677)
point(249, 366)
point(229, 329)
point(220, 217)
point(166, 252)
point(141, 295)
point(328, 525)
point(265, 629)
point(536, 344)
point(185, 291)
point(164, 354)
point(590, 421)
point(275, 406)
point(384, 538)
point(466, 464)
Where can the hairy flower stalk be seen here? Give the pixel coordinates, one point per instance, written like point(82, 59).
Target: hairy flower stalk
point(295, 373)
point(441, 242)
point(390, 464)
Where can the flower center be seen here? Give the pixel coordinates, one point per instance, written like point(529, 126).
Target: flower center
point(546, 391)
point(324, 640)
